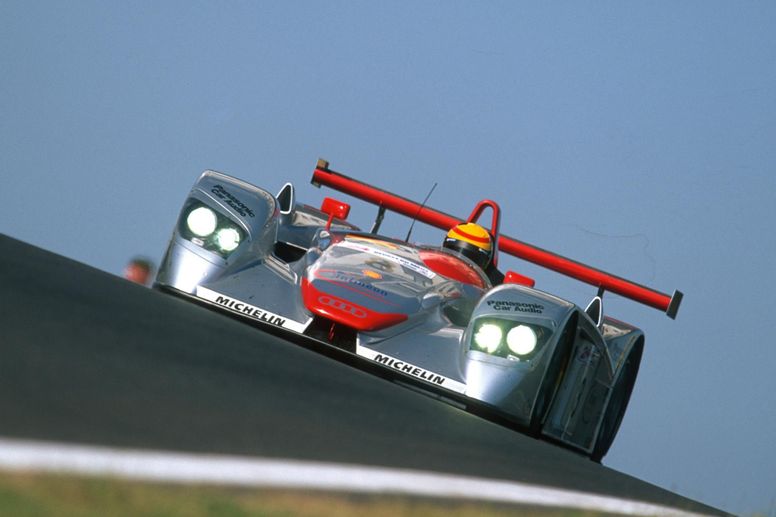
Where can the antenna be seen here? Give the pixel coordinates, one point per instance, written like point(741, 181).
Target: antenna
point(415, 218)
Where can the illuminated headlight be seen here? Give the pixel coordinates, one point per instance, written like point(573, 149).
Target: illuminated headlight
point(227, 239)
point(522, 340)
point(202, 221)
point(509, 339)
point(210, 229)
point(488, 337)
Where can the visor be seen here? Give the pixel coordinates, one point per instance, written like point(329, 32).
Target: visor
point(474, 253)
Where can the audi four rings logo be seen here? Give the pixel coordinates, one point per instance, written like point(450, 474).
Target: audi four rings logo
point(342, 306)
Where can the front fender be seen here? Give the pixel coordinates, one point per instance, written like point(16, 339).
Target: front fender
point(511, 383)
point(189, 262)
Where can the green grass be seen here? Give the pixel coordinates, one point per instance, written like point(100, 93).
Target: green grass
point(23, 495)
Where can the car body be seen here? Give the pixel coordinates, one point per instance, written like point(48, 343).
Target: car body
point(420, 315)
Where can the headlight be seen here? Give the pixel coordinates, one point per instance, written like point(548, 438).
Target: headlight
point(227, 239)
point(521, 339)
point(210, 229)
point(202, 221)
point(488, 337)
point(508, 338)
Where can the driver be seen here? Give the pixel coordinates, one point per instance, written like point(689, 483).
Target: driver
point(472, 241)
point(475, 243)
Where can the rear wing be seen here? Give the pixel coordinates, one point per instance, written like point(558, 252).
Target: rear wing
point(600, 279)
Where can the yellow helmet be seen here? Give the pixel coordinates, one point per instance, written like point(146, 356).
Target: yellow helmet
point(472, 241)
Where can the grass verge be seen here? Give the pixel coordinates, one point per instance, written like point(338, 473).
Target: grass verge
point(33, 494)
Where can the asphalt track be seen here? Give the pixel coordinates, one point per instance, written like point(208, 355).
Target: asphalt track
point(88, 358)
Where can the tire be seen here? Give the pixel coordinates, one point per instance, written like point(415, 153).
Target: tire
point(553, 378)
point(618, 403)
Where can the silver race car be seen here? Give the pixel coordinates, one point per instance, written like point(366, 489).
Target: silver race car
point(428, 317)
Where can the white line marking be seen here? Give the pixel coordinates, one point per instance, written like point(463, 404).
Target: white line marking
point(23, 455)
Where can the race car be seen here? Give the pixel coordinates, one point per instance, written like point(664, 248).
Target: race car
point(434, 318)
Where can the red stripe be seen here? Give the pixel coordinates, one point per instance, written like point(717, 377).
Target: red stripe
point(483, 240)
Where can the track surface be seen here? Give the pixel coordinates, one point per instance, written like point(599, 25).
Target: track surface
point(86, 357)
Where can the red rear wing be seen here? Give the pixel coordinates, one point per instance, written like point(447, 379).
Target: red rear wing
point(604, 281)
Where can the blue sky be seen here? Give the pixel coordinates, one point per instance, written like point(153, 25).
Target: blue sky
point(636, 137)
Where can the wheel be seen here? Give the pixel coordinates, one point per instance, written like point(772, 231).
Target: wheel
point(553, 378)
point(618, 403)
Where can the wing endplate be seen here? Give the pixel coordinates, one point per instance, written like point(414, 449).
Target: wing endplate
point(547, 259)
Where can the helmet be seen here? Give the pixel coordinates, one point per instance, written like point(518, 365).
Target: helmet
point(472, 241)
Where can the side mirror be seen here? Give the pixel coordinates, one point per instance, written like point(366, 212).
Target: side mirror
point(286, 199)
point(334, 208)
point(595, 309)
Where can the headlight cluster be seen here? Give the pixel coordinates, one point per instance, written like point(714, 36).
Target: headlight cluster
point(213, 231)
point(509, 339)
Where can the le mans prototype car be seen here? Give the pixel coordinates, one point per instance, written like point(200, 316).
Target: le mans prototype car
point(419, 315)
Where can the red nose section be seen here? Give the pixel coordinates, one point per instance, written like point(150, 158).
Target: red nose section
point(343, 311)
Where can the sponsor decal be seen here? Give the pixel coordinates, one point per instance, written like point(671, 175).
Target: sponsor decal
point(251, 311)
point(240, 207)
point(411, 369)
point(409, 264)
point(342, 306)
point(340, 276)
point(507, 306)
